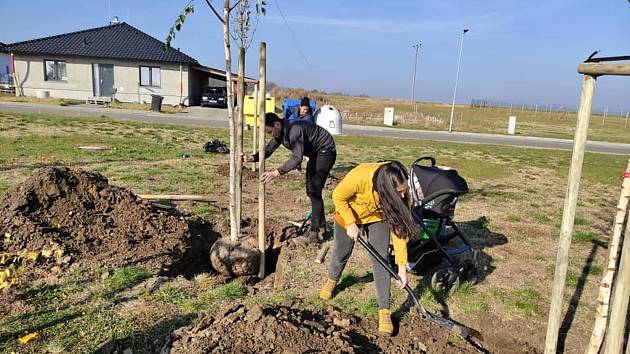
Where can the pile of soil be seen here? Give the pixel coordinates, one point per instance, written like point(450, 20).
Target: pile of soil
point(73, 217)
point(288, 328)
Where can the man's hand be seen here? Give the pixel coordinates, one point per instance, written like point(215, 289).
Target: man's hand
point(247, 158)
point(353, 231)
point(269, 176)
point(402, 273)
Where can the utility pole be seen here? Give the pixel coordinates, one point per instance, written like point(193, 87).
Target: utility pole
point(413, 85)
point(461, 46)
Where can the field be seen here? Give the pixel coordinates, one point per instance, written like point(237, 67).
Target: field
point(512, 215)
point(434, 116)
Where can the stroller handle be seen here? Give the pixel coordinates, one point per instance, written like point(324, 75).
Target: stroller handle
point(432, 159)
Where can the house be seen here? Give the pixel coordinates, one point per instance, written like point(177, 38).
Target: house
point(116, 61)
point(5, 67)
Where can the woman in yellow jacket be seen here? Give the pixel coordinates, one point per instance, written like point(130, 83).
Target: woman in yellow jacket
point(374, 197)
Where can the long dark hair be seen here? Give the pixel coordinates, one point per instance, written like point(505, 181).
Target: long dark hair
point(395, 208)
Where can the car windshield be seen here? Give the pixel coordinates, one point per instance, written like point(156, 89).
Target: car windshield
point(215, 91)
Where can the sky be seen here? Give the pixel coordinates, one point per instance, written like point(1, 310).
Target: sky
point(520, 52)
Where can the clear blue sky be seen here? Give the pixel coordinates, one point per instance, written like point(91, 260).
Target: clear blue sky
point(520, 51)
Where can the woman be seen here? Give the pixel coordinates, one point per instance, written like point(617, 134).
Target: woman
point(374, 197)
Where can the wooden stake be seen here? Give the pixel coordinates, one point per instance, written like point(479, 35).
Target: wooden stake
point(198, 198)
point(568, 214)
point(239, 137)
point(619, 307)
point(254, 126)
point(603, 298)
point(262, 81)
point(626, 124)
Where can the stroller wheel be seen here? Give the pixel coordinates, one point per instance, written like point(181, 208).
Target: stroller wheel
point(468, 272)
point(445, 280)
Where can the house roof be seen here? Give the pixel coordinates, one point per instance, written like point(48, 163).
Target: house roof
point(116, 41)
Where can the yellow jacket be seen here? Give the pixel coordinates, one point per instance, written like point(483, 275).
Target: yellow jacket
point(356, 202)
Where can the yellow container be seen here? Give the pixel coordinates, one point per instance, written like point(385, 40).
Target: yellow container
point(251, 107)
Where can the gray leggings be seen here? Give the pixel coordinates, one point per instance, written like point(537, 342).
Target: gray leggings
point(378, 236)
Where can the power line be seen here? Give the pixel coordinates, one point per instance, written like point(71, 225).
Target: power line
point(291, 31)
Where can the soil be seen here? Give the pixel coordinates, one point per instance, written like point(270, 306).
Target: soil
point(292, 328)
point(72, 217)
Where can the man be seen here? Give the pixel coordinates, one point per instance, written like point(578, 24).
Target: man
point(303, 138)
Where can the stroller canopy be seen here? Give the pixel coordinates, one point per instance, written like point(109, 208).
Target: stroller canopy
point(434, 181)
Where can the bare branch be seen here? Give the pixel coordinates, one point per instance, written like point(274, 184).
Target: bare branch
point(215, 11)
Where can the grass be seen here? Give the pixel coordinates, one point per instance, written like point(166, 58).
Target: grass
point(514, 192)
point(435, 116)
point(126, 278)
point(584, 237)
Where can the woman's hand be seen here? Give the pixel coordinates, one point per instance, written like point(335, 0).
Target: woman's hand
point(353, 231)
point(402, 273)
point(269, 176)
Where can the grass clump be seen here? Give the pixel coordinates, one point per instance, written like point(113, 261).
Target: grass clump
point(126, 278)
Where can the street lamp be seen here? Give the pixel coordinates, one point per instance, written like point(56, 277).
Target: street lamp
point(461, 46)
point(413, 85)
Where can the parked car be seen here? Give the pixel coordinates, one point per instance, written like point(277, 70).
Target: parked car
point(214, 97)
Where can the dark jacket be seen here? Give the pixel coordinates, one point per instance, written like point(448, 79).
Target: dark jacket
point(303, 138)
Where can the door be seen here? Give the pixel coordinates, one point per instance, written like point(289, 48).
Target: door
point(103, 80)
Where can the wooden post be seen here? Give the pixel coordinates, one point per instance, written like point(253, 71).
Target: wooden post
point(604, 117)
point(568, 214)
point(619, 307)
point(536, 111)
point(603, 299)
point(254, 126)
point(626, 124)
point(239, 137)
point(262, 89)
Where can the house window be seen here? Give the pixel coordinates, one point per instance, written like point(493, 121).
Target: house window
point(55, 70)
point(150, 76)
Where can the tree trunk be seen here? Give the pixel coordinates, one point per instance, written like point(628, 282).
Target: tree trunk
point(239, 134)
point(603, 300)
point(235, 225)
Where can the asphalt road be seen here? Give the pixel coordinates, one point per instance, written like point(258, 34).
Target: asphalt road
point(216, 118)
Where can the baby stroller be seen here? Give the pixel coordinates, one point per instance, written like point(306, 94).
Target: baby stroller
point(435, 192)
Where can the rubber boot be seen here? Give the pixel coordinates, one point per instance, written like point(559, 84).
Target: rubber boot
point(326, 291)
point(385, 325)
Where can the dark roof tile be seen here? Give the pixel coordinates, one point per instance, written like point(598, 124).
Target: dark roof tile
point(117, 41)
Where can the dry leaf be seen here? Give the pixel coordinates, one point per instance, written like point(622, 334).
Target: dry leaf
point(27, 338)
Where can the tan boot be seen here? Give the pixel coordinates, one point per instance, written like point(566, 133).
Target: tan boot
point(326, 291)
point(385, 325)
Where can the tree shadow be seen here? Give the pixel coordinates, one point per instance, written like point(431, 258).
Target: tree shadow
point(577, 295)
point(349, 280)
point(155, 338)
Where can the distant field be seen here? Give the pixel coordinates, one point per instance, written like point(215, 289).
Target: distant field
point(435, 116)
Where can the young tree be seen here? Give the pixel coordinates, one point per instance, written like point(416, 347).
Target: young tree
point(242, 30)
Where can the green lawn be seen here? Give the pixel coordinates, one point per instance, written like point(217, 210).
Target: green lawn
point(512, 212)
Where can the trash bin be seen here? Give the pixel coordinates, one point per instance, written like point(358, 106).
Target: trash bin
point(156, 103)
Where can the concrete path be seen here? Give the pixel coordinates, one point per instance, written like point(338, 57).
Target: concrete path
point(216, 118)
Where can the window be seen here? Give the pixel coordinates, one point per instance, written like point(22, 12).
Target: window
point(55, 70)
point(150, 76)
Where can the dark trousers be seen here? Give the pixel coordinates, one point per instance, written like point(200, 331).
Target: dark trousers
point(317, 171)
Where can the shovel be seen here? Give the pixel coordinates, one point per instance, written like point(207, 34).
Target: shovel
point(302, 226)
point(456, 328)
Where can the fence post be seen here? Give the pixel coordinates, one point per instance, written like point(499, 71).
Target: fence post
point(568, 214)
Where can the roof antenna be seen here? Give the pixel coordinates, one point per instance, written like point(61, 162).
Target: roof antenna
point(115, 21)
point(109, 10)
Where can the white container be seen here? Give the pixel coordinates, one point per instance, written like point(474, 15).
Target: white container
point(388, 117)
point(42, 94)
point(329, 118)
point(512, 125)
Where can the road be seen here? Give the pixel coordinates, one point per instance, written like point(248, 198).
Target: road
point(216, 118)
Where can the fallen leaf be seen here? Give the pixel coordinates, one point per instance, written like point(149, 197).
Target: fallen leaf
point(27, 338)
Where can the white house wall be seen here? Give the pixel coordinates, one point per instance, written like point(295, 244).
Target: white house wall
point(79, 84)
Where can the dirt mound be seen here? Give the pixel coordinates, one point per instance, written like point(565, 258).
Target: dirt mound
point(64, 216)
point(289, 329)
